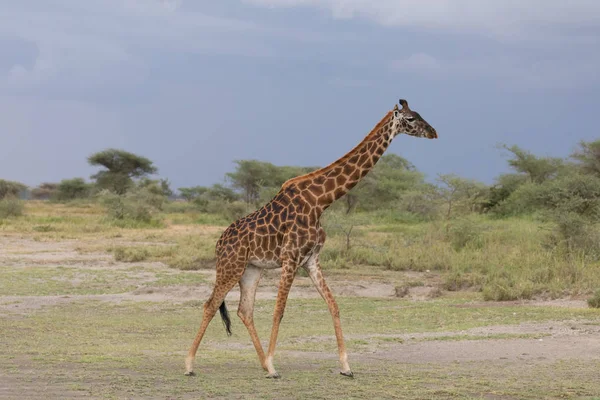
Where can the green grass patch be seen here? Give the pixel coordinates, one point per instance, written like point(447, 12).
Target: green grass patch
point(44, 281)
point(137, 349)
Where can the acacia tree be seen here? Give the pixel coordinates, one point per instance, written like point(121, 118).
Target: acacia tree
point(122, 168)
point(461, 193)
point(588, 157)
point(537, 169)
point(392, 176)
point(251, 176)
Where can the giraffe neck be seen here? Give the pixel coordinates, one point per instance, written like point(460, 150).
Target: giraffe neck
point(324, 186)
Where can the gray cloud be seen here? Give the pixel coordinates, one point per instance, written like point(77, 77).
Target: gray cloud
point(498, 18)
point(96, 42)
point(526, 73)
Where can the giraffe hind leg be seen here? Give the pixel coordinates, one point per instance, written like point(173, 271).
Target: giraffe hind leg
point(228, 276)
point(248, 285)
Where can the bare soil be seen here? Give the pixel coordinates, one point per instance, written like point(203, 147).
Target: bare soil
point(474, 349)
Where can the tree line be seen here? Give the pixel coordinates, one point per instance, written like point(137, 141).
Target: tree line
point(568, 188)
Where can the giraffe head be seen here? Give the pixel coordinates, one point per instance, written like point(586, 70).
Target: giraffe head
point(411, 123)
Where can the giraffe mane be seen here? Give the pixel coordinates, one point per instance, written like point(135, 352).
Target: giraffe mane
point(348, 155)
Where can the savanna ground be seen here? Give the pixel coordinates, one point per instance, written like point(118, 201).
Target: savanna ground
point(94, 309)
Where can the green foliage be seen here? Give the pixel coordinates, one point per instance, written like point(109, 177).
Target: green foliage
point(420, 202)
point(588, 157)
point(461, 196)
point(465, 232)
point(385, 185)
point(11, 206)
point(504, 187)
point(192, 193)
point(10, 188)
point(121, 168)
point(594, 301)
point(160, 187)
point(252, 175)
point(71, 189)
point(231, 211)
point(574, 234)
point(131, 254)
point(139, 204)
point(537, 169)
point(202, 195)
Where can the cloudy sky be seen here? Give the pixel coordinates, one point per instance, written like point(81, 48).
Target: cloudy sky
point(194, 85)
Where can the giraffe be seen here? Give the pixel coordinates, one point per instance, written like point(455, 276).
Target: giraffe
point(285, 233)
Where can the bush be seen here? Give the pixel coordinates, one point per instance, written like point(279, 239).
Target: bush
point(11, 207)
point(10, 189)
point(574, 234)
point(594, 301)
point(71, 189)
point(457, 280)
point(506, 289)
point(231, 211)
point(419, 203)
point(131, 254)
point(465, 232)
point(138, 204)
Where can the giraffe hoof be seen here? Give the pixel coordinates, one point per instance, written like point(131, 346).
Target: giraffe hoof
point(190, 373)
point(349, 374)
point(274, 375)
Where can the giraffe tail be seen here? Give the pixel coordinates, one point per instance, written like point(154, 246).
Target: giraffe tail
point(225, 318)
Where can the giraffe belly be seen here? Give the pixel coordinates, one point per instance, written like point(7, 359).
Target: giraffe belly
point(265, 264)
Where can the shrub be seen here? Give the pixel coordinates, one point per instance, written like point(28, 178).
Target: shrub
point(457, 280)
point(574, 234)
point(10, 188)
point(465, 232)
point(131, 254)
point(231, 211)
point(71, 189)
point(594, 301)
point(138, 204)
point(11, 207)
point(419, 203)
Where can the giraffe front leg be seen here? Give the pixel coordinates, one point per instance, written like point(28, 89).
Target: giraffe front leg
point(314, 271)
point(287, 277)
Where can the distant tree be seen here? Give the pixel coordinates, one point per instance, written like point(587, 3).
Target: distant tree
point(588, 157)
point(392, 176)
point(71, 189)
point(192, 193)
point(461, 194)
point(218, 192)
point(505, 185)
point(537, 169)
point(44, 191)
point(11, 189)
point(250, 176)
point(122, 168)
point(161, 187)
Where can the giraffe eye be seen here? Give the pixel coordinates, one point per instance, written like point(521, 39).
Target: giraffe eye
point(409, 118)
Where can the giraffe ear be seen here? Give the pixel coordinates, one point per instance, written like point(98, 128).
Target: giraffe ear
point(396, 107)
